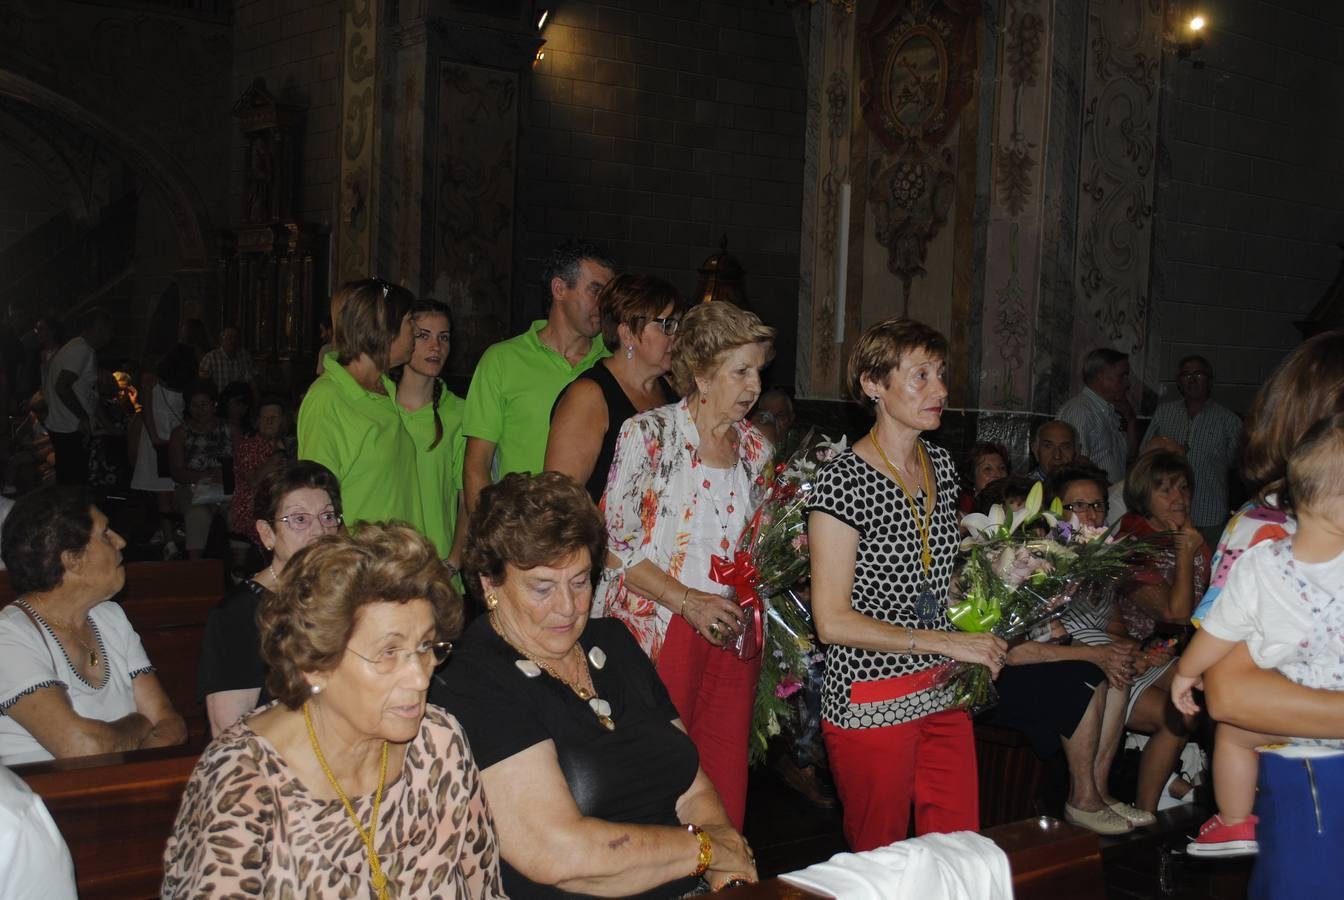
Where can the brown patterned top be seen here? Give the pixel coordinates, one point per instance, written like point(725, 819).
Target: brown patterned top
point(248, 828)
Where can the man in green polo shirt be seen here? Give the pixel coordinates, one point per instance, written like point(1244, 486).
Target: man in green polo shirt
point(508, 411)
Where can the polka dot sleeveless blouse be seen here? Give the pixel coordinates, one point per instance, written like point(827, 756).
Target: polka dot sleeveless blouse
point(887, 578)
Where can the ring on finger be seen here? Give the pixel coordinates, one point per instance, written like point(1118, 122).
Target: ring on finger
point(714, 630)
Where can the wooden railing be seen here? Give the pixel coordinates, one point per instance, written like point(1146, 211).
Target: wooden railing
point(115, 812)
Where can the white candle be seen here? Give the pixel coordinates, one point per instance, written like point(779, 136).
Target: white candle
point(841, 259)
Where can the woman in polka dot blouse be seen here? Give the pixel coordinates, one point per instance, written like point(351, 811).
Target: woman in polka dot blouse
point(883, 534)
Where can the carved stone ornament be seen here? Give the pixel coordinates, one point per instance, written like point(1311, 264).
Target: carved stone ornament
point(918, 70)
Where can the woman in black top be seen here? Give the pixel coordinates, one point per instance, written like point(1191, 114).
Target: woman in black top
point(594, 786)
point(296, 503)
point(639, 317)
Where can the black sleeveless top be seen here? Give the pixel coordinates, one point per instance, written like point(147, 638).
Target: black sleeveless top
point(619, 408)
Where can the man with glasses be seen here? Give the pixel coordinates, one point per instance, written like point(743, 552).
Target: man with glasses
point(1208, 431)
point(507, 416)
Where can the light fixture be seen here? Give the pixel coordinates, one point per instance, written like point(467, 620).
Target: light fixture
point(541, 54)
point(1192, 40)
point(542, 17)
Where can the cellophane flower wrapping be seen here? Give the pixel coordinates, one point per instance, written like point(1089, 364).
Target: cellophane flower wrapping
point(1018, 571)
point(776, 540)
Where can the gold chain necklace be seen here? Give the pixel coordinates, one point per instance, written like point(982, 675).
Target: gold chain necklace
point(375, 868)
point(922, 517)
point(600, 707)
point(93, 654)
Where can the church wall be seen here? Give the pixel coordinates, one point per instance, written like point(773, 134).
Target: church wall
point(30, 198)
point(657, 128)
point(294, 45)
point(1250, 200)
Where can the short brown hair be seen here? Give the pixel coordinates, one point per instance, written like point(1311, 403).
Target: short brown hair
point(632, 300)
point(881, 349)
point(1315, 464)
point(1306, 387)
point(1151, 468)
point(366, 318)
point(278, 481)
point(532, 520)
point(708, 332)
point(306, 624)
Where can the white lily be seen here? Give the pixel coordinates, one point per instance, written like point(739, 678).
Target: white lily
point(977, 524)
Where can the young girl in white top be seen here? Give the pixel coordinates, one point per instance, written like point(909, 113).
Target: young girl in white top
point(1285, 599)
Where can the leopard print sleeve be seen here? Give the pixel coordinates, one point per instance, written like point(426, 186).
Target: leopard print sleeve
point(223, 828)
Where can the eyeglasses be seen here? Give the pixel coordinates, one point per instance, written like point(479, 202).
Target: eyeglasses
point(391, 659)
point(302, 521)
point(1095, 506)
point(1192, 376)
point(669, 324)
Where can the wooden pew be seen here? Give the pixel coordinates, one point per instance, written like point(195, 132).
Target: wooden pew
point(115, 812)
point(1010, 776)
point(1049, 860)
point(167, 604)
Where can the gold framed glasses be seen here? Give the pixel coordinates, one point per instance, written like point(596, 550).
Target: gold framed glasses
point(391, 659)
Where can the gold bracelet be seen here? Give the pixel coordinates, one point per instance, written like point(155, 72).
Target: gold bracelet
point(706, 854)
point(685, 597)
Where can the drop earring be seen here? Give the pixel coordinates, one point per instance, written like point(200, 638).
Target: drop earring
point(629, 351)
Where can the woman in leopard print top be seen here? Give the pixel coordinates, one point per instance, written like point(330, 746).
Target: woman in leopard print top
point(350, 785)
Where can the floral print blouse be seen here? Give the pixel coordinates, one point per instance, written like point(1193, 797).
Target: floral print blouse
point(650, 507)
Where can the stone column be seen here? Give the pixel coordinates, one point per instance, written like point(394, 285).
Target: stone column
point(356, 227)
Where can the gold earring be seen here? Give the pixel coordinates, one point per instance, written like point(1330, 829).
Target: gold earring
point(491, 601)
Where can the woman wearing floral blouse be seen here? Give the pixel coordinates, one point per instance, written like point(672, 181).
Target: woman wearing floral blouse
point(684, 481)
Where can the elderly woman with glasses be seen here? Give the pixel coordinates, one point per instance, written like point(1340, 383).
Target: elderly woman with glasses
point(594, 785)
point(349, 785)
point(349, 421)
point(295, 504)
point(639, 318)
point(685, 480)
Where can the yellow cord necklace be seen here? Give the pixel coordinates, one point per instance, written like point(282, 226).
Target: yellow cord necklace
point(375, 868)
point(922, 517)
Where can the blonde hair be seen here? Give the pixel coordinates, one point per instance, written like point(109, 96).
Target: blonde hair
point(881, 349)
point(707, 333)
point(366, 318)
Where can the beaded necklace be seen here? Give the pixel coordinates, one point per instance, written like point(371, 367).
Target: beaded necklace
point(375, 868)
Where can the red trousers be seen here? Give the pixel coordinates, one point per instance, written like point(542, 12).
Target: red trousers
point(880, 772)
point(713, 691)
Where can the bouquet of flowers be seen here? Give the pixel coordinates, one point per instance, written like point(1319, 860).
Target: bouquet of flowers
point(1020, 570)
point(771, 557)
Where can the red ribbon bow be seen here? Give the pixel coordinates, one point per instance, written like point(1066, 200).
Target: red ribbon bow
point(740, 574)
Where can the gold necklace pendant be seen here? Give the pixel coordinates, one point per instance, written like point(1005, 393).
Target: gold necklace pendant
point(600, 707)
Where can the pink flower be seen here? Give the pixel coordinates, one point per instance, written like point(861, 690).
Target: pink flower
point(787, 687)
point(799, 543)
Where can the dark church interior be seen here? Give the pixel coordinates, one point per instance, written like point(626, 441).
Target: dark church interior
point(1037, 181)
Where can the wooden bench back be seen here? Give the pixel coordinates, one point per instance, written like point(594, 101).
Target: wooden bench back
point(115, 812)
point(167, 604)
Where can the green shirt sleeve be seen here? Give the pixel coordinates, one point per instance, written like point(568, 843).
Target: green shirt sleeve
point(318, 440)
point(483, 414)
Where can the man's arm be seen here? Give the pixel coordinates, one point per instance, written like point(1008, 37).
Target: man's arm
point(479, 457)
point(65, 389)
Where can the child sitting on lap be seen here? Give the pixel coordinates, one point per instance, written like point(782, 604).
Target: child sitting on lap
point(1285, 599)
